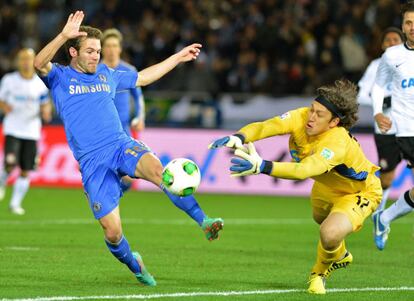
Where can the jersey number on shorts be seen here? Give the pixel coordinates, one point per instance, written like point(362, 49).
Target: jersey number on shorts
point(362, 202)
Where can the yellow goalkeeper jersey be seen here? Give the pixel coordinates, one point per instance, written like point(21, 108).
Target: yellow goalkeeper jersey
point(333, 158)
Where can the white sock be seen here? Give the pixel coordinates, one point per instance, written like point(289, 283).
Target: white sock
point(19, 191)
point(401, 207)
point(3, 178)
point(385, 194)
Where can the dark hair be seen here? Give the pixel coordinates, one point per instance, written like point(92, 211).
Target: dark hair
point(392, 29)
point(343, 94)
point(407, 8)
point(93, 33)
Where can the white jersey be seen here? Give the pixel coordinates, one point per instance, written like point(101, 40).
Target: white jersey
point(364, 94)
point(397, 67)
point(25, 97)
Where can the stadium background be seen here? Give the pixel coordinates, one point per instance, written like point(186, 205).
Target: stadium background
point(259, 59)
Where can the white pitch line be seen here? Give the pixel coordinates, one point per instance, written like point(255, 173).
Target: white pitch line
point(201, 294)
point(19, 248)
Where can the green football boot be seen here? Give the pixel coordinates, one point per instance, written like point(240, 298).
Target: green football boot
point(144, 277)
point(211, 227)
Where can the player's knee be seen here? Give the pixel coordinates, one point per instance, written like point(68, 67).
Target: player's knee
point(330, 237)
point(113, 236)
point(10, 161)
point(386, 180)
point(24, 173)
point(112, 231)
point(318, 218)
point(150, 169)
point(9, 168)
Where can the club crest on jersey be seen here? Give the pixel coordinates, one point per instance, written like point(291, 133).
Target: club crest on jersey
point(285, 115)
point(97, 206)
point(327, 153)
point(102, 78)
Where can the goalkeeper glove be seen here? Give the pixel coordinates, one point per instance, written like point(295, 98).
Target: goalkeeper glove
point(249, 163)
point(233, 141)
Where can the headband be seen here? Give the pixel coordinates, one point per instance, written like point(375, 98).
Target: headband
point(330, 106)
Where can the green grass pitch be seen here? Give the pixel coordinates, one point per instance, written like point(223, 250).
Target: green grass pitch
point(268, 243)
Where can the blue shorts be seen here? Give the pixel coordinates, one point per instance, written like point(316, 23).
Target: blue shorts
point(102, 173)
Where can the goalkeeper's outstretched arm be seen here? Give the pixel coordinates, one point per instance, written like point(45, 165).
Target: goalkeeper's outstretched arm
point(275, 126)
point(309, 167)
point(250, 163)
point(268, 128)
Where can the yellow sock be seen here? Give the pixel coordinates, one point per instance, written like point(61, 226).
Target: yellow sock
point(325, 258)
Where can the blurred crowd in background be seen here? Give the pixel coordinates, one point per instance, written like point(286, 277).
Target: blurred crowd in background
point(277, 47)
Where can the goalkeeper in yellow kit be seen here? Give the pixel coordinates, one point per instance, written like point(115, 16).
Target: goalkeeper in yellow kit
point(346, 190)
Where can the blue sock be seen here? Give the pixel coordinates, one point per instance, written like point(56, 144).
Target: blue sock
point(188, 204)
point(125, 186)
point(122, 251)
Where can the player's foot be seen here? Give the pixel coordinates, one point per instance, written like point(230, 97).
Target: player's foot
point(17, 210)
point(2, 192)
point(343, 263)
point(317, 284)
point(144, 277)
point(211, 227)
point(381, 231)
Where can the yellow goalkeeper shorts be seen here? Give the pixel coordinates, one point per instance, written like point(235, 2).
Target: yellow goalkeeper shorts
point(357, 206)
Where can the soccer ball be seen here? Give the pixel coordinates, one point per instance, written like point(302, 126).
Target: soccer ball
point(181, 177)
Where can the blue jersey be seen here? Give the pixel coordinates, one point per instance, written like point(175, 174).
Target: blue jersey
point(122, 98)
point(85, 103)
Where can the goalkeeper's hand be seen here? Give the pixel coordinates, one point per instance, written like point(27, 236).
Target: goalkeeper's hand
point(249, 163)
point(234, 141)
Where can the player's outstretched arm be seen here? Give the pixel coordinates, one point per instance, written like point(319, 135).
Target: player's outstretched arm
point(138, 122)
point(249, 162)
point(155, 72)
point(42, 60)
point(278, 125)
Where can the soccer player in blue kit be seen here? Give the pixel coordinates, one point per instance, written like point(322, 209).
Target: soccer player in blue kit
point(111, 56)
point(83, 93)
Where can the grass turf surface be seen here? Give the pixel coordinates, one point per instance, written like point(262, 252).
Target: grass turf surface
point(268, 243)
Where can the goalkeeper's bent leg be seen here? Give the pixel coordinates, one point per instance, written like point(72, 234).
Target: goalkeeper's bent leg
point(325, 258)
